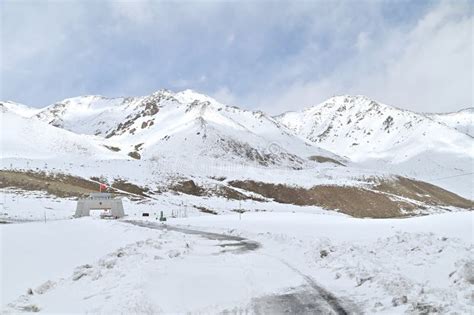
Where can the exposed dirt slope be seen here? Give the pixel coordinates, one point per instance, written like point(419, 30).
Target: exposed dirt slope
point(389, 198)
point(324, 159)
point(354, 201)
point(397, 197)
point(60, 185)
point(424, 192)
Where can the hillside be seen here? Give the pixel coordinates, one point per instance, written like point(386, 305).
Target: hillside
point(33, 139)
point(384, 137)
point(185, 123)
point(462, 120)
point(19, 109)
point(212, 156)
point(361, 128)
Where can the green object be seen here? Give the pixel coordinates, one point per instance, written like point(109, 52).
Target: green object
point(162, 217)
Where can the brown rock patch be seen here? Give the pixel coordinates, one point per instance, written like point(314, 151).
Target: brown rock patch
point(357, 202)
point(423, 192)
point(60, 185)
point(324, 159)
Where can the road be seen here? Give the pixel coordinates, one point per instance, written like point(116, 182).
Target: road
point(309, 298)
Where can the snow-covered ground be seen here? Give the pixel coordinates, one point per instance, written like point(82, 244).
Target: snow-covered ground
point(25, 206)
point(22, 206)
point(273, 258)
point(389, 266)
point(267, 262)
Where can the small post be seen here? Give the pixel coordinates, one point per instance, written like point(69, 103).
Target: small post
point(240, 210)
point(162, 217)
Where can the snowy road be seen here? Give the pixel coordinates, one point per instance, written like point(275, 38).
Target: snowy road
point(262, 263)
point(235, 243)
point(310, 298)
point(150, 268)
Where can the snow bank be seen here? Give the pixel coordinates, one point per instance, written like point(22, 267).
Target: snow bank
point(33, 253)
point(385, 266)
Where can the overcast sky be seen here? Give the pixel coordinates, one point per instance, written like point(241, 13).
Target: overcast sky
point(274, 56)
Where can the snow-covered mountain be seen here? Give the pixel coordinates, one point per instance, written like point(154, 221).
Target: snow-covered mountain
point(185, 123)
point(188, 128)
point(188, 158)
point(361, 128)
point(19, 109)
point(462, 120)
point(384, 137)
point(24, 137)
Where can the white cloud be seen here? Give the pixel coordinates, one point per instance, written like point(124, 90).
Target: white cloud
point(259, 55)
point(427, 68)
point(225, 96)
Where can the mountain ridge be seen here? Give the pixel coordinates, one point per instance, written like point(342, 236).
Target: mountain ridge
point(201, 96)
point(354, 130)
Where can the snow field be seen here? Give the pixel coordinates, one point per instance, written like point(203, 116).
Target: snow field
point(158, 271)
point(387, 266)
point(373, 266)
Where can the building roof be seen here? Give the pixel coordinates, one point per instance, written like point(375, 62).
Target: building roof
point(100, 195)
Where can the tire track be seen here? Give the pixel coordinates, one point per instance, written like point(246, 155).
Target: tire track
point(243, 245)
point(330, 298)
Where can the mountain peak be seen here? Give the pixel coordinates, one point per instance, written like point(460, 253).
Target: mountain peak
point(189, 96)
point(360, 127)
point(347, 98)
point(344, 103)
point(162, 92)
point(19, 109)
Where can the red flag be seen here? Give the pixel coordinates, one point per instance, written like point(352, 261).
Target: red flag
point(102, 186)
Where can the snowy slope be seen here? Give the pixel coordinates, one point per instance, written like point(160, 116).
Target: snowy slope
point(462, 120)
point(194, 124)
point(179, 130)
point(30, 138)
point(383, 137)
point(93, 115)
point(185, 123)
point(361, 128)
point(197, 127)
point(20, 109)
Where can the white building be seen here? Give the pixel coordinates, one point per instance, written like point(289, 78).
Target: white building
point(100, 201)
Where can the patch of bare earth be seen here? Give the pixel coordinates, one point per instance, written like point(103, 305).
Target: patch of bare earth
point(130, 187)
point(206, 210)
point(423, 192)
point(386, 199)
point(189, 187)
point(60, 185)
point(135, 155)
point(324, 159)
point(112, 148)
point(357, 202)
